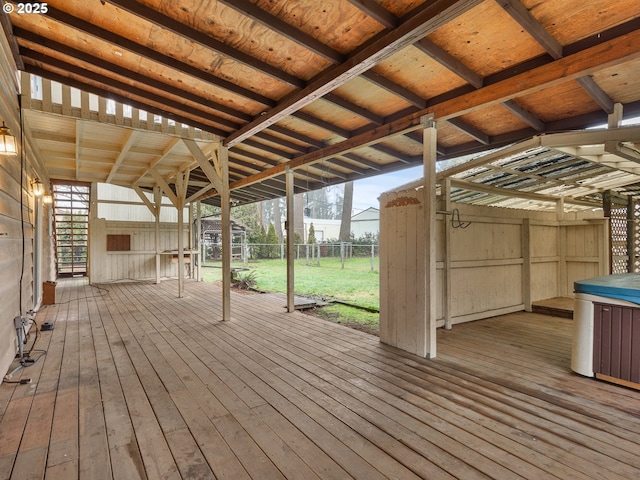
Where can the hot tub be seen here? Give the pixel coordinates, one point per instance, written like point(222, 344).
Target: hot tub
point(606, 333)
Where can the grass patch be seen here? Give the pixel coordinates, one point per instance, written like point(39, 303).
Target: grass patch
point(356, 284)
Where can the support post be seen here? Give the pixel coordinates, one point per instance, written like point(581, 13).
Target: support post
point(526, 264)
point(198, 246)
point(157, 199)
point(445, 188)
point(427, 334)
point(289, 227)
point(225, 204)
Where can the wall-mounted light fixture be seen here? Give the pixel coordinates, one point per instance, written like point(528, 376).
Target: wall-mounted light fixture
point(47, 199)
point(7, 141)
point(37, 187)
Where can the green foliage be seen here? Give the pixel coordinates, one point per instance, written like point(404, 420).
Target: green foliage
point(272, 248)
point(297, 238)
point(311, 237)
point(245, 280)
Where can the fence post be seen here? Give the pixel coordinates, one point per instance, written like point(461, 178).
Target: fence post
point(372, 255)
point(318, 253)
point(281, 252)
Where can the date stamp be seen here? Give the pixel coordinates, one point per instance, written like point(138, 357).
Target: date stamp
point(25, 8)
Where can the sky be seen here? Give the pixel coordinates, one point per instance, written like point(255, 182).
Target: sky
point(367, 191)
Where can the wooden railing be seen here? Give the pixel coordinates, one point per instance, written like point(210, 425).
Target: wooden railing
point(48, 96)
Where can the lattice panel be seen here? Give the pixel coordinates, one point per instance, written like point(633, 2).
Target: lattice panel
point(617, 209)
point(635, 235)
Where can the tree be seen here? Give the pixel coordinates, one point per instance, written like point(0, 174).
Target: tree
point(347, 204)
point(272, 242)
point(277, 219)
point(311, 237)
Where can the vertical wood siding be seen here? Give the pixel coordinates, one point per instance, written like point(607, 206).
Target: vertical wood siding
point(487, 262)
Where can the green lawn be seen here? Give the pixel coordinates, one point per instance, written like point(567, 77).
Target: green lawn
point(356, 284)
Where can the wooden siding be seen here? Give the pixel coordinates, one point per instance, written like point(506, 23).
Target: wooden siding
point(140, 262)
point(139, 384)
point(490, 271)
point(17, 220)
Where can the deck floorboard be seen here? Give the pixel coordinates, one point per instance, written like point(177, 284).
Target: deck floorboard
point(137, 383)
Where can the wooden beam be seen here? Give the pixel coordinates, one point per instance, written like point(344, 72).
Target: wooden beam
point(603, 100)
point(524, 115)
point(118, 97)
point(153, 55)
point(139, 78)
point(613, 52)
point(521, 15)
point(512, 193)
point(283, 28)
point(161, 182)
point(152, 208)
point(377, 12)
point(434, 15)
point(225, 207)
point(397, 90)
point(440, 55)
point(212, 173)
point(469, 130)
point(197, 37)
point(124, 150)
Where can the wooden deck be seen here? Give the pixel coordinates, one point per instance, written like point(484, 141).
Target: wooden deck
point(139, 384)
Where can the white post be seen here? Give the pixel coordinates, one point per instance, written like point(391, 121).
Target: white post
point(199, 239)
point(157, 198)
point(290, 241)
point(225, 204)
point(427, 337)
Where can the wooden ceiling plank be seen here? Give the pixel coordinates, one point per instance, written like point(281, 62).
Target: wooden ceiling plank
point(124, 72)
point(521, 15)
point(436, 14)
point(155, 56)
point(524, 115)
point(440, 55)
point(274, 23)
point(196, 36)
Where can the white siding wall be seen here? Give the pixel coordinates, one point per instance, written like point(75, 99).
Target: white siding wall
point(137, 264)
point(488, 263)
point(17, 204)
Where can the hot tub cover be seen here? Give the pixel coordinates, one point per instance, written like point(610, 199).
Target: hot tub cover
point(623, 286)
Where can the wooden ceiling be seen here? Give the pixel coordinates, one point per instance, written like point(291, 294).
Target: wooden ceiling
point(336, 88)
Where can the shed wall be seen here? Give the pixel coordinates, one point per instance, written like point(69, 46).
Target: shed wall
point(140, 262)
point(500, 262)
